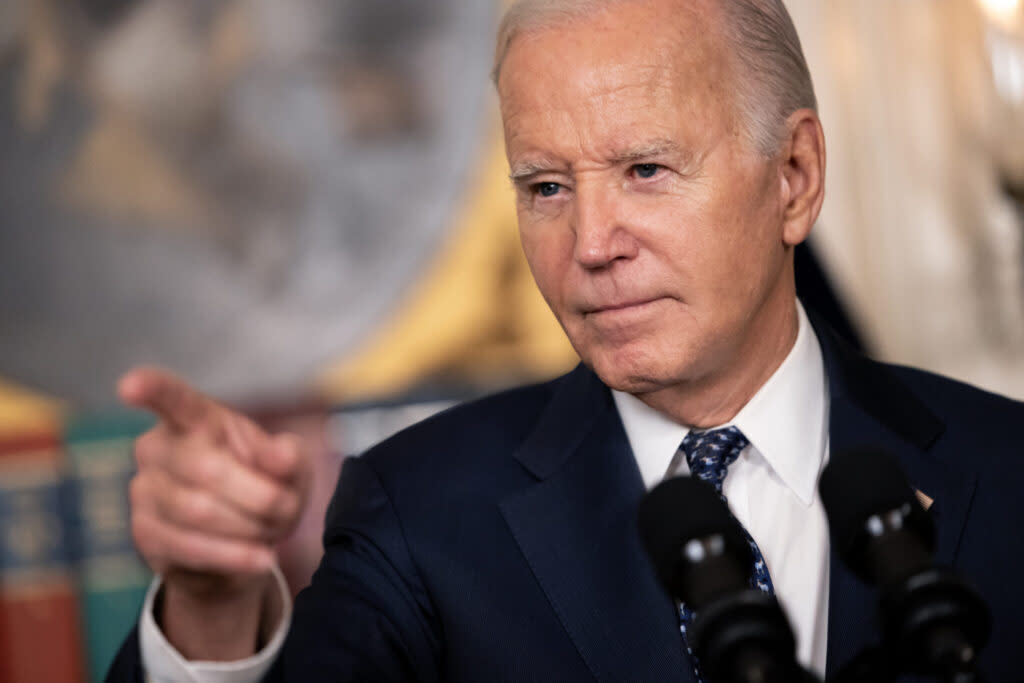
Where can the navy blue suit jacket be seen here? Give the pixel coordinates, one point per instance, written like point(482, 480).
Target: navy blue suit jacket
point(497, 541)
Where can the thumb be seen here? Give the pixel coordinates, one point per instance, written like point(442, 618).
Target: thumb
point(284, 457)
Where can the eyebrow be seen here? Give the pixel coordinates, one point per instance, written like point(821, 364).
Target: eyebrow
point(525, 170)
point(647, 150)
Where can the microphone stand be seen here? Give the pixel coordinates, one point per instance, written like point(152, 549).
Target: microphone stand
point(933, 622)
point(744, 637)
point(876, 665)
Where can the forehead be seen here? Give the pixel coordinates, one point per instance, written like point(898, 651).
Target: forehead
point(656, 62)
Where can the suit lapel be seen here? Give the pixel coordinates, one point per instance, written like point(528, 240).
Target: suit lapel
point(871, 407)
point(576, 526)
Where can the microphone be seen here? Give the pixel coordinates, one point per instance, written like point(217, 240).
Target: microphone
point(933, 622)
point(702, 558)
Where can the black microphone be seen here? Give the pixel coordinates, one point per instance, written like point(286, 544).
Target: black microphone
point(702, 558)
point(933, 622)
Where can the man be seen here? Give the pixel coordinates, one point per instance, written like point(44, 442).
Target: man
point(667, 159)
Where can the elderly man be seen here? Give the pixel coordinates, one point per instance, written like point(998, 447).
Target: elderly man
point(667, 159)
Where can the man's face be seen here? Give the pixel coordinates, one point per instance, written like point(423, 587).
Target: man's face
point(652, 228)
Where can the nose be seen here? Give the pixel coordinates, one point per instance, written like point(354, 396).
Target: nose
point(602, 235)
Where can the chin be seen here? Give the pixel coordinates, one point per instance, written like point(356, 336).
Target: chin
point(631, 373)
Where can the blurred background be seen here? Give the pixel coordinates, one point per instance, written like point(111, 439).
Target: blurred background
point(302, 206)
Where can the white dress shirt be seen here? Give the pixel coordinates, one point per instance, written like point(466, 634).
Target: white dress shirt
point(771, 488)
point(164, 664)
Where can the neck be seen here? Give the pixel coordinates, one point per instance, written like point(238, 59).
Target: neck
point(716, 398)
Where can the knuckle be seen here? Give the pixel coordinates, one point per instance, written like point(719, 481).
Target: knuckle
point(138, 493)
point(269, 502)
point(295, 506)
point(271, 507)
point(207, 470)
point(284, 507)
point(144, 534)
point(250, 556)
point(197, 509)
point(290, 448)
point(283, 456)
point(289, 513)
point(208, 428)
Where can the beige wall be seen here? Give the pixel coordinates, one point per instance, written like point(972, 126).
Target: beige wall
point(915, 227)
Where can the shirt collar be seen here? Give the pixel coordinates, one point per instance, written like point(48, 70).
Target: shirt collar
point(784, 421)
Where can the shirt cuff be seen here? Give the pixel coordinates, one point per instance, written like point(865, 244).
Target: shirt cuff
point(164, 664)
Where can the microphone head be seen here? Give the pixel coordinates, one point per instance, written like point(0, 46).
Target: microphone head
point(859, 485)
point(684, 509)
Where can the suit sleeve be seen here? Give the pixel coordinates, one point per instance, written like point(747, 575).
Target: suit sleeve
point(367, 614)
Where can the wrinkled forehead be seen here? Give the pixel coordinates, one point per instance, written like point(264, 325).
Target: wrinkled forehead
point(670, 49)
point(524, 18)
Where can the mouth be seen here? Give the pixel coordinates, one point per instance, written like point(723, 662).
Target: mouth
point(633, 305)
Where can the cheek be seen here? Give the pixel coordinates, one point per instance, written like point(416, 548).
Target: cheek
point(548, 258)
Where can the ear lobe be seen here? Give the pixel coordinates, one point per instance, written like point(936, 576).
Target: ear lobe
point(803, 175)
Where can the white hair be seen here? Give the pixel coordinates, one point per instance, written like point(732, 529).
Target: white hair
point(772, 76)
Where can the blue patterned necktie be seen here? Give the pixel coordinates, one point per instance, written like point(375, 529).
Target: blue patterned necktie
point(709, 455)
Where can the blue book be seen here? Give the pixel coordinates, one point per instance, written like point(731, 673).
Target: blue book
point(112, 577)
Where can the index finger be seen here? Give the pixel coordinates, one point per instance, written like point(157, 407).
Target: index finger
point(164, 394)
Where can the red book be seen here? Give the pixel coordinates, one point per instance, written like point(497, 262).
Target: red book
point(40, 635)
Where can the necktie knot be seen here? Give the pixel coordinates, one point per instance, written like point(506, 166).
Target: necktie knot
point(709, 453)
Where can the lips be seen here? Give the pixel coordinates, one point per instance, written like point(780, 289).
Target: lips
point(620, 306)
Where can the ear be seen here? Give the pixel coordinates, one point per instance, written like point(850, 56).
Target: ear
point(802, 169)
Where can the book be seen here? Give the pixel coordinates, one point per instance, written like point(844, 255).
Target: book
point(112, 577)
point(40, 635)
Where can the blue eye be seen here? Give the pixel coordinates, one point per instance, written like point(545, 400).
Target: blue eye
point(646, 170)
point(547, 189)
